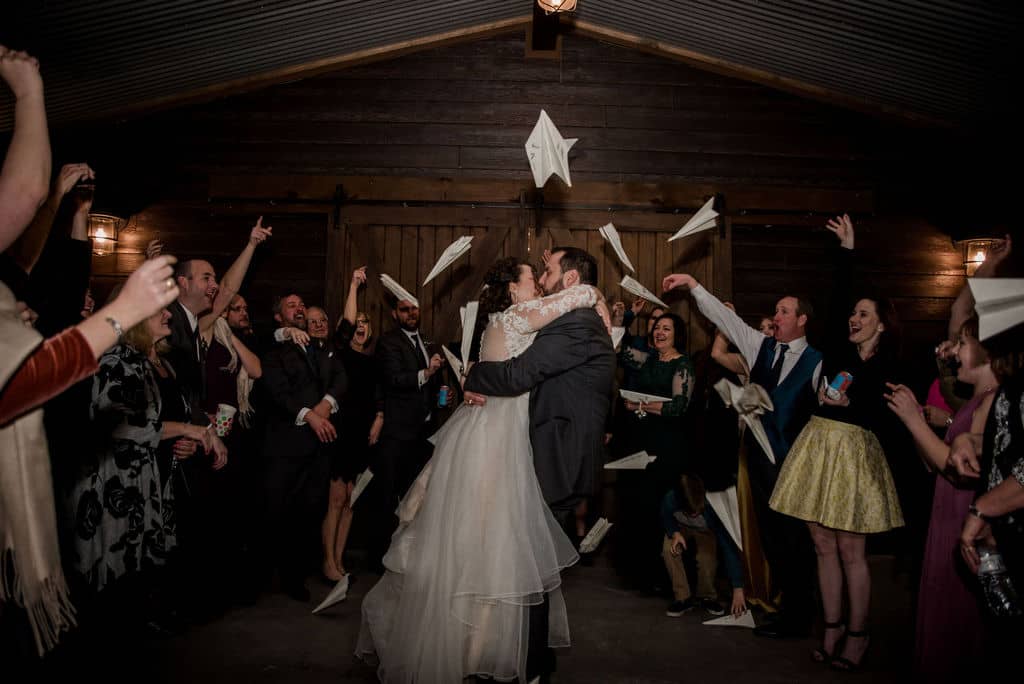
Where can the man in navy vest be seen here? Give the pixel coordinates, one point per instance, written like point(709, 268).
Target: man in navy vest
point(789, 369)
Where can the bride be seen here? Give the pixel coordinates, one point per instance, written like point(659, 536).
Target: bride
point(476, 545)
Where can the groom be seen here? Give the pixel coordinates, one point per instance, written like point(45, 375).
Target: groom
point(568, 370)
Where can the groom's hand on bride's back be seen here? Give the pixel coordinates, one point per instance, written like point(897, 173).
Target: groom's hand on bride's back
point(474, 399)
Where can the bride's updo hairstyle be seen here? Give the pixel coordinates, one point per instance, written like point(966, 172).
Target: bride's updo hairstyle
point(495, 296)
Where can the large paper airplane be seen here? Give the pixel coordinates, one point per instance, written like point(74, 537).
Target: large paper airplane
point(609, 233)
point(595, 535)
point(750, 401)
point(999, 303)
point(361, 482)
point(704, 219)
point(637, 461)
point(746, 619)
point(335, 595)
point(641, 397)
point(451, 253)
point(394, 288)
point(468, 315)
point(548, 152)
point(630, 285)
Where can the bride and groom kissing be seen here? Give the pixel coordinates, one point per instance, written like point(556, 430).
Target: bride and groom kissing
point(473, 573)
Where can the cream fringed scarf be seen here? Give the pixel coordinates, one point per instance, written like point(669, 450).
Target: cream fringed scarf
point(222, 333)
point(30, 570)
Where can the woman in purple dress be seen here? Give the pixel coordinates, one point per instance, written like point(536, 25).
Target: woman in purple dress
point(949, 628)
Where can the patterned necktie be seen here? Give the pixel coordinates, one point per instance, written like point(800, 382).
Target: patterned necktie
point(776, 372)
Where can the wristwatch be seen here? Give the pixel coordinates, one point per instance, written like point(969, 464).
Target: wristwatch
point(973, 510)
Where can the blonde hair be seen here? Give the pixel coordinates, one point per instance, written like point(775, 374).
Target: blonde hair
point(369, 326)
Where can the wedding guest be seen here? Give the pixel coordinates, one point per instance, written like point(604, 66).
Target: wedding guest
point(836, 477)
point(362, 418)
point(948, 637)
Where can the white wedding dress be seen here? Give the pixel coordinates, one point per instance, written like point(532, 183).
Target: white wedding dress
point(476, 545)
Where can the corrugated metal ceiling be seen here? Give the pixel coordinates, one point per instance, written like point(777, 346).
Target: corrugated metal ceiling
point(941, 60)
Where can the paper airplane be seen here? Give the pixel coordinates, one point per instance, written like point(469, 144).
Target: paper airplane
point(335, 595)
point(451, 253)
point(361, 482)
point(618, 332)
point(394, 288)
point(633, 287)
point(750, 401)
point(637, 461)
point(999, 303)
point(468, 314)
point(640, 397)
point(702, 220)
point(548, 152)
point(746, 619)
point(727, 508)
point(609, 233)
point(595, 535)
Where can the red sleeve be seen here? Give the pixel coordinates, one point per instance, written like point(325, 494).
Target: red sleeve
point(58, 363)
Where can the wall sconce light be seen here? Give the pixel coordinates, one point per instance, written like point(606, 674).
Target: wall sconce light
point(557, 6)
point(102, 231)
point(975, 251)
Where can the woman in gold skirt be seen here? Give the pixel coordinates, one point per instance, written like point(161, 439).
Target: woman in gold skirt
point(836, 476)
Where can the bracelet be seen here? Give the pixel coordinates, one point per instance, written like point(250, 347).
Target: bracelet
point(118, 330)
point(973, 510)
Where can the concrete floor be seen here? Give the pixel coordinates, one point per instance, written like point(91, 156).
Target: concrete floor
point(619, 637)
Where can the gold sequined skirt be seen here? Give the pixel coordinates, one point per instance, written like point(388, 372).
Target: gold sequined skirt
point(836, 475)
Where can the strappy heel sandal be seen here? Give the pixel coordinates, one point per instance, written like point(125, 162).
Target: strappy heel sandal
point(820, 655)
point(845, 664)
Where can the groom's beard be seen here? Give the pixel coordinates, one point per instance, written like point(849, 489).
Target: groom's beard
point(555, 287)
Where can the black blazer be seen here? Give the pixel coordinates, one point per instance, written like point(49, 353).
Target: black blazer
point(190, 370)
point(406, 404)
point(290, 384)
point(568, 370)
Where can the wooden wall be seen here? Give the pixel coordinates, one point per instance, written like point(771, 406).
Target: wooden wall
point(435, 132)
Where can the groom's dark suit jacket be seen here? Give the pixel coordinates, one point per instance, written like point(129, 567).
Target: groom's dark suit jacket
point(568, 370)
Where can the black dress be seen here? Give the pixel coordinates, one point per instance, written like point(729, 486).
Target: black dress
point(358, 408)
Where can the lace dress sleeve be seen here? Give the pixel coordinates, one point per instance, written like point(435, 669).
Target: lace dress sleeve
point(682, 388)
point(531, 316)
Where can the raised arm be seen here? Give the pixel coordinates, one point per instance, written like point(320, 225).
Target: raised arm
point(352, 300)
point(25, 178)
point(963, 305)
point(533, 315)
point(561, 346)
point(29, 247)
point(232, 280)
point(747, 339)
point(250, 362)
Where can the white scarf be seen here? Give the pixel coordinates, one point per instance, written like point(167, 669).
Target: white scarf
point(30, 569)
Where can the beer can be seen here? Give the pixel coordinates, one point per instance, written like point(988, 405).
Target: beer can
point(839, 384)
point(442, 396)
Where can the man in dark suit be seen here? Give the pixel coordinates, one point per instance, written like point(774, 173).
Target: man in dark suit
point(202, 527)
point(304, 385)
point(409, 384)
point(568, 370)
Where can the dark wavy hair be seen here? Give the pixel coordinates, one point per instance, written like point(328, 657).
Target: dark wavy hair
point(678, 331)
point(890, 344)
point(495, 296)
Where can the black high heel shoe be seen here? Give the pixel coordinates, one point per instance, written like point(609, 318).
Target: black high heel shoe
point(845, 664)
point(820, 655)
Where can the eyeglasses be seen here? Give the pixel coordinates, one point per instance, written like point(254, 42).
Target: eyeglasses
point(362, 320)
point(407, 309)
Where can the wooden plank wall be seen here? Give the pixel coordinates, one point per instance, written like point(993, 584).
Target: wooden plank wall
point(450, 123)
